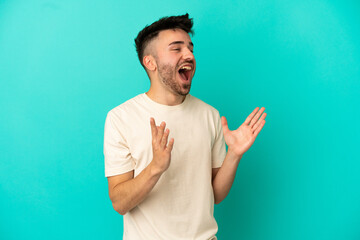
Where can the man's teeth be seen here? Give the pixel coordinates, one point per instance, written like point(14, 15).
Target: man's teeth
point(186, 67)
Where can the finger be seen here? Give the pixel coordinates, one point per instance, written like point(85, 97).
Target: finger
point(165, 138)
point(256, 117)
point(161, 131)
point(153, 128)
point(259, 122)
point(170, 145)
point(224, 125)
point(259, 128)
point(248, 119)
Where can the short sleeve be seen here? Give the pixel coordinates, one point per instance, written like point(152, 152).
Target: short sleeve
point(118, 158)
point(218, 151)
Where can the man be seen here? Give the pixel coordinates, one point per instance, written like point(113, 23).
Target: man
point(165, 179)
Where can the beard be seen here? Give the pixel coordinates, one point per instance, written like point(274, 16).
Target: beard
point(167, 75)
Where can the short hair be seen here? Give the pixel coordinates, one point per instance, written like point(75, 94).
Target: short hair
point(150, 32)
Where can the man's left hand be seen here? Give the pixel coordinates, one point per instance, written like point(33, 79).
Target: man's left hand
point(241, 139)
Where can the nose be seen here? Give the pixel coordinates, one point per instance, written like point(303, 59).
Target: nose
point(188, 55)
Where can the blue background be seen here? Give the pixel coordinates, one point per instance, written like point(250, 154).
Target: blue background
point(65, 64)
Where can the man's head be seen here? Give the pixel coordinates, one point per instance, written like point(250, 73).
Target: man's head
point(165, 51)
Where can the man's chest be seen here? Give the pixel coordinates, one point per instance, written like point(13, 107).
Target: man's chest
point(193, 138)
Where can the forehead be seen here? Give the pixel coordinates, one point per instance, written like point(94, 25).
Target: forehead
point(170, 35)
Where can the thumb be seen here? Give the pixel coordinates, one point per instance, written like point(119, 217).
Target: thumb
point(224, 124)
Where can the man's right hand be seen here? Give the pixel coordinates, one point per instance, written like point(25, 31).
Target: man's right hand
point(125, 191)
point(161, 150)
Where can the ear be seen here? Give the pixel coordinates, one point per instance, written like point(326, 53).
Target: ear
point(149, 62)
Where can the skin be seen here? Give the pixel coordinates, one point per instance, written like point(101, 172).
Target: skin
point(168, 51)
point(163, 57)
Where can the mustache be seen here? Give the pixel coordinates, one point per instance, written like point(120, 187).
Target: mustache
point(190, 62)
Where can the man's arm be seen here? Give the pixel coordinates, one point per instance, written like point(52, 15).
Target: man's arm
point(223, 177)
point(125, 191)
point(239, 141)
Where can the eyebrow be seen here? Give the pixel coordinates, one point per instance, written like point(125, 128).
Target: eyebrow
point(181, 42)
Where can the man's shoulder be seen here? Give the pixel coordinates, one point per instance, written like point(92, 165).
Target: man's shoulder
point(202, 104)
point(126, 106)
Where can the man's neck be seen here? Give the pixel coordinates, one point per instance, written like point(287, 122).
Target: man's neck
point(165, 98)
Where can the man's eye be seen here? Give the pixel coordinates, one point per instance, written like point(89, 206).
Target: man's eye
point(176, 49)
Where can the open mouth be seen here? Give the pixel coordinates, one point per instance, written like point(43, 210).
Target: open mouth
point(185, 72)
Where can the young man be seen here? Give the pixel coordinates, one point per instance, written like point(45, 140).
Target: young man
point(165, 179)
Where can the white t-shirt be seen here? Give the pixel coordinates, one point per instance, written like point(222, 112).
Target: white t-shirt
point(181, 204)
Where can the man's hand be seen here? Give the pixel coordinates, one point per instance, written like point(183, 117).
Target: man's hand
point(161, 152)
point(241, 139)
point(125, 191)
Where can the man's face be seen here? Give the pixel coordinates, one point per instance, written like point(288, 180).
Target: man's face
point(175, 60)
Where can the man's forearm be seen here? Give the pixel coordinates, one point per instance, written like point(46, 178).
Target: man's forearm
point(225, 177)
point(127, 195)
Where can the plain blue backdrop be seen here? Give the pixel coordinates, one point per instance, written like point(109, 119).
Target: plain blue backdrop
point(65, 64)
